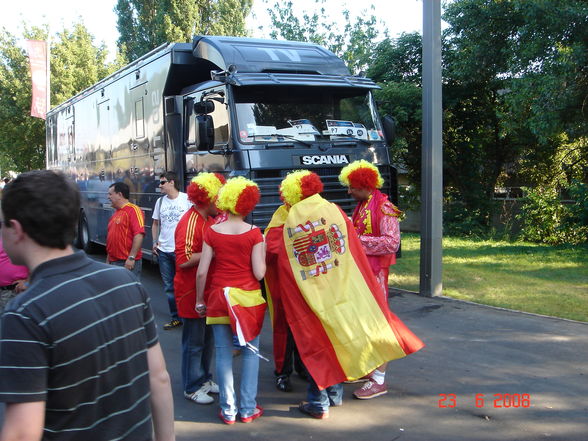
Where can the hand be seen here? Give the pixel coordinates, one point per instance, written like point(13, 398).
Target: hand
point(201, 309)
point(155, 249)
point(129, 264)
point(21, 285)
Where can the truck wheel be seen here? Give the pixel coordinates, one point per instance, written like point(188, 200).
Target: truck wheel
point(83, 240)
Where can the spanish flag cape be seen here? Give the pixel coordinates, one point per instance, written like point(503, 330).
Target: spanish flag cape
point(320, 283)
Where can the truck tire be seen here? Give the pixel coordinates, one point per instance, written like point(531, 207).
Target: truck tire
point(83, 241)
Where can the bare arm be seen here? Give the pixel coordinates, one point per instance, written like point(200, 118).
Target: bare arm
point(23, 421)
point(258, 260)
point(162, 404)
point(193, 261)
point(155, 235)
point(135, 247)
point(201, 274)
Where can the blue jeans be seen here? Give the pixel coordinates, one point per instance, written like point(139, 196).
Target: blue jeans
point(136, 269)
point(320, 400)
point(223, 343)
point(167, 269)
point(197, 347)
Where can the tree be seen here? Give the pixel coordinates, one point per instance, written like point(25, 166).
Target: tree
point(75, 65)
point(353, 41)
point(537, 52)
point(22, 138)
point(145, 24)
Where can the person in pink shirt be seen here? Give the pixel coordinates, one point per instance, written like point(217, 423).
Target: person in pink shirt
point(376, 222)
point(12, 278)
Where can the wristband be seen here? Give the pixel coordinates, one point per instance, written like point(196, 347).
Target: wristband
point(131, 258)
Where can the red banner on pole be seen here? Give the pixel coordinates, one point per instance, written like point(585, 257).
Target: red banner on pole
point(37, 51)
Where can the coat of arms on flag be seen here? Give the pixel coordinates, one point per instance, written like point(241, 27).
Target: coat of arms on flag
point(316, 245)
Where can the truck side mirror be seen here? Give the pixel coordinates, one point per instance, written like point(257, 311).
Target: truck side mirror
point(203, 107)
point(204, 132)
point(389, 124)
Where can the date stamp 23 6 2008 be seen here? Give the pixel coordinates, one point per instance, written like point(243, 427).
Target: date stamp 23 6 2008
point(501, 400)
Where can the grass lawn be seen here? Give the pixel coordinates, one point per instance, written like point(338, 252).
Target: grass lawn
point(524, 276)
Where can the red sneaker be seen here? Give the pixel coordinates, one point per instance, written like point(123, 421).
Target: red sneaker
point(258, 412)
point(305, 408)
point(370, 390)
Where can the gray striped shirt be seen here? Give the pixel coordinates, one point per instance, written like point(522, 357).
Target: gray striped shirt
point(77, 339)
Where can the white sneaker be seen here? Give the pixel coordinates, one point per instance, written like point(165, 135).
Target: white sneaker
point(200, 396)
point(212, 387)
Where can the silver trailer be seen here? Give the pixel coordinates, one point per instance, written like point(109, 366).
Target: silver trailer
point(239, 106)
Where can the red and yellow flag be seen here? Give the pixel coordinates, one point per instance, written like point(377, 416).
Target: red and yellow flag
point(246, 312)
point(342, 326)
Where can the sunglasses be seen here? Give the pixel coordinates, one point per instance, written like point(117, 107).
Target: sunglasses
point(163, 182)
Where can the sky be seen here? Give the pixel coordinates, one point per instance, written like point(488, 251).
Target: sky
point(98, 16)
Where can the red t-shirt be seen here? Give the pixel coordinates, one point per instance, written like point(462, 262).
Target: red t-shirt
point(232, 257)
point(123, 226)
point(189, 235)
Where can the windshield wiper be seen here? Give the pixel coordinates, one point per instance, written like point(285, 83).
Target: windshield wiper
point(347, 140)
point(292, 137)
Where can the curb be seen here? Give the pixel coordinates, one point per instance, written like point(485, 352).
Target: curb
point(498, 308)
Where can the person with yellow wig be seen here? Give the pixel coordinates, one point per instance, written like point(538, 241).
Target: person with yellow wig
point(298, 185)
point(197, 342)
point(320, 278)
point(234, 305)
point(375, 220)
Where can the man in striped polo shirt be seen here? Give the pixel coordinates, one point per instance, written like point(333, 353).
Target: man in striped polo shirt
point(126, 230)
point(79, 354)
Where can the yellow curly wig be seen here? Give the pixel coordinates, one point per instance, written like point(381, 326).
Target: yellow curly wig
point(361, 174)
point(299, 185)
point(238, 196)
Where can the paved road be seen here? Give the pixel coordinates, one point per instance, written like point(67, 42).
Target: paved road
point(470, 350)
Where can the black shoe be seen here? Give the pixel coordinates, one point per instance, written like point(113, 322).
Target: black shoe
point(306, 409)
point(173, 324)
point(283, 383)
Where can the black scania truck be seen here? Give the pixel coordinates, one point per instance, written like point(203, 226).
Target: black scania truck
point(239, 106)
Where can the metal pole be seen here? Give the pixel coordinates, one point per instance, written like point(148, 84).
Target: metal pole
point(432, 155)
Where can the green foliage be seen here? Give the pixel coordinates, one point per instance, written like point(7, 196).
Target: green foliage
point(397, 60)
point(460, 220)
point(579, 210)
point(545, 219)
point(515, 85)
point(353, 41)
point(75, 65)
point(533, 53)
point(143, 25)
point(22, 138)
point(396, 65)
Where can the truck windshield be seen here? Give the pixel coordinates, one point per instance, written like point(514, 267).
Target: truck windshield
point(278, 113)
